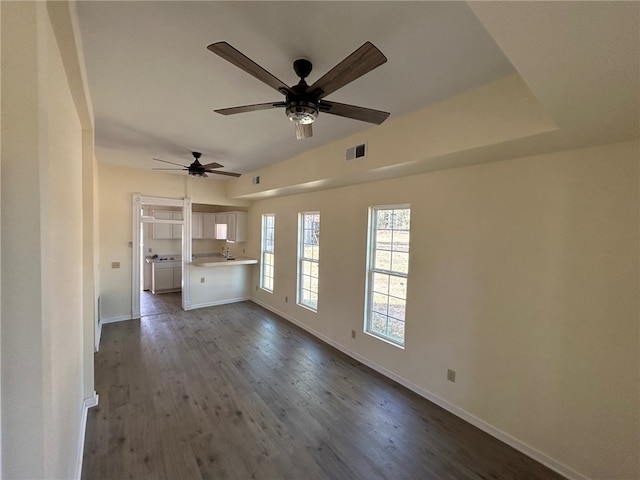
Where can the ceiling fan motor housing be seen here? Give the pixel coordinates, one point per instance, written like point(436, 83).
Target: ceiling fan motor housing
point(302, 107)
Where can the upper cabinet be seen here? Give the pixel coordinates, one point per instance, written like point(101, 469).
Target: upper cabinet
point(209, 225)
point(229, 226)
point(167, 231)
point(237, 227)
point(197, 225)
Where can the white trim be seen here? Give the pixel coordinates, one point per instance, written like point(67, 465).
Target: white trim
point(96, 347)
point(216, 302)
point(504, 437)
point(86, 405)
point(116, 318)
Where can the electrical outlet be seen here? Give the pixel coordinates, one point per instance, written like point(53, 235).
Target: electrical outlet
point(451, 375)
point(201, 279)
point(243, 251)
point(256, 288)
point(286, 299)
point(353, 334)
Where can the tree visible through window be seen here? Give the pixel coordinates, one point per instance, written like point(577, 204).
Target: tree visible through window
point(267, 251)
point(308, 259)
point(388, 269)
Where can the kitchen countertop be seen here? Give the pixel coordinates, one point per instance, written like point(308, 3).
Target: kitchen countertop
point(218, 260)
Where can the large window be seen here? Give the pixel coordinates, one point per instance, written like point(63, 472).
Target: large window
point(267, 255)
point(308, 258)
point(388, 269)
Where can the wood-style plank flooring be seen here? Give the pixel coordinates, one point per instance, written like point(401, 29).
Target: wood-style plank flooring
point(235, 392)
point(151, 304)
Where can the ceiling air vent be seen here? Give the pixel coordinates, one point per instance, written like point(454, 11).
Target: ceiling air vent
point(358, 151)
point(256, 180)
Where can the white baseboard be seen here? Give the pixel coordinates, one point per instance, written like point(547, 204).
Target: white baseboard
point(86, 405)
point(457, 411)
point(193, 306)
point(116, 318)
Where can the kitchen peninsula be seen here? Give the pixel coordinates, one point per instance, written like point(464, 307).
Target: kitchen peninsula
point(216, 280)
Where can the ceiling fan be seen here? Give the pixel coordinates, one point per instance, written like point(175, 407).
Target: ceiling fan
point(197, 169)
point(302, 102)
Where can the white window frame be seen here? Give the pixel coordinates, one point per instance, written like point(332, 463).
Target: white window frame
point(399, 277)
point(307, 281)
point(267, 253)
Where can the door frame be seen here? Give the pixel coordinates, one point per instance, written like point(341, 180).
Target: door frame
point(137, 202)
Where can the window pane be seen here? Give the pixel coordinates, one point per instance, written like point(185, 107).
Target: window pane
point(396, 330)
point(379, 323)
point(401, 240)
point(401, 219)
point(396, 308)
point(383, 260)
point(400, 262)
point(383, 239)
point(381, 283)
point(379, 303)
point(398, 286)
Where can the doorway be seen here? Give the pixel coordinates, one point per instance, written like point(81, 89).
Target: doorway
point(141, 224)
point(161, 261)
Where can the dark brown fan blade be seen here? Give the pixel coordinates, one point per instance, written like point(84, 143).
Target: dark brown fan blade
point(212, 165)
point(229, 174)
point(169, 169)
point(243, 62)
point(249, 108)
point(165, 161)
point(362, 61)
point(351, 111)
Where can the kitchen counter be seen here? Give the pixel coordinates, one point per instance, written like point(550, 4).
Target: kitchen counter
point(221, 261)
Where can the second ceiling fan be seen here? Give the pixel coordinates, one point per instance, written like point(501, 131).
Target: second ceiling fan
point(304, 102)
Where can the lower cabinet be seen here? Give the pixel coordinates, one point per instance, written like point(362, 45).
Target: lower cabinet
point(166, 277)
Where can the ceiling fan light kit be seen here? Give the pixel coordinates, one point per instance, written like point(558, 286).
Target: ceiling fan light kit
point(303, 103)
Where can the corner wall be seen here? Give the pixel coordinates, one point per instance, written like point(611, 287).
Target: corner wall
point(523, 278)
point(42, 234)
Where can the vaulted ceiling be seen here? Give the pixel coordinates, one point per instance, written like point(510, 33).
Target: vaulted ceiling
point(154, 85)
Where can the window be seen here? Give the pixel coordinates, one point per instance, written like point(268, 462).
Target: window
point(267, 255)
point(308, 257)
point(388, 269)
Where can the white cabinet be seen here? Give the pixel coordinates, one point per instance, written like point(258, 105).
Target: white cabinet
point(229, 226)
point(166, 277)
point(237, 227)
point(167, 231)
point(209, 226)
point(197, 225)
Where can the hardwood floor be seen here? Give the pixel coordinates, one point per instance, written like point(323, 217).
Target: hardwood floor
point(151, 304)
point(235, 392)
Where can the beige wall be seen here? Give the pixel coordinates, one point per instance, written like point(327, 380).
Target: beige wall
point(43, 354)
point(116, 186)
point(523, 278)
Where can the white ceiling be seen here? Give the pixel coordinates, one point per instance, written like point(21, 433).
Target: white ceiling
point(154, 85)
